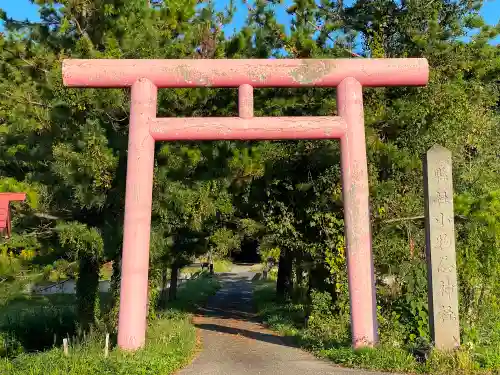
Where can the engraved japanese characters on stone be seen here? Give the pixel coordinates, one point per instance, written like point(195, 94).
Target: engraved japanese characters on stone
point(442, 197)
point(443, 241)
point(442, 220)
point(445, 265)
point(447, 314)
point(441, 173)
point(440, 249)
point(447, 288)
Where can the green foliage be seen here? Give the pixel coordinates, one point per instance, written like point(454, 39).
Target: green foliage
point(9, 345)
point(222, 265)
point(87, 292)
point(224, 241)
point(170, 342)
point(87, 246)
point(9, 266)
point(325, 326)
point(36, 323)
point(80, 239)
point(67, 149)
point(328, 336)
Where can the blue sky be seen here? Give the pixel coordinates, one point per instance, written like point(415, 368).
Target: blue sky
point(23, 9)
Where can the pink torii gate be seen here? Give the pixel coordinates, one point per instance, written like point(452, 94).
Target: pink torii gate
point(146, 76)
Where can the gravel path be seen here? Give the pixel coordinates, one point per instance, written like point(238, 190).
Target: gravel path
point(234, 343)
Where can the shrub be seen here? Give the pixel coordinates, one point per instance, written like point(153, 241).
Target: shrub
point(327, 334)
point(37, 328)
point(170, 343)
point(9, 345)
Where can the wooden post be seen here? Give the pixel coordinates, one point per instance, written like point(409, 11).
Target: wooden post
point(65, 347)
point(106, 346)
point(440, 249)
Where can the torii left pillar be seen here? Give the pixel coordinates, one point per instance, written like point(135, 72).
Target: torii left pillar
point(5, 220)
point(145, 77)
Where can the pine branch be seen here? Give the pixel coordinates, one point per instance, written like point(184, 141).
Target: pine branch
point(410, 218)
point(29, 63)
point(403, 219)
point(317, 27)
point(26, 100)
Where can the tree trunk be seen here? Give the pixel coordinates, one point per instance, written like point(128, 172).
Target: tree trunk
point(318, 280)
point(308, 306)
point(172, 292)
point(87, 291)
point(299, 274)
point(211, 264)
point(284, 283)
point(164, 279)
point(111, 318)
point(299, 292)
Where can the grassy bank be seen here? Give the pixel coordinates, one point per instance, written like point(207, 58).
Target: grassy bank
point(328, 337)
point(220, 265)
point(171, 342)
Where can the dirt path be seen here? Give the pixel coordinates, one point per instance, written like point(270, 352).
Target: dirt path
point(234, 343)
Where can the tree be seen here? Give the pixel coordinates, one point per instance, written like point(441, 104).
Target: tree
point(86, 245)
point(69, 145)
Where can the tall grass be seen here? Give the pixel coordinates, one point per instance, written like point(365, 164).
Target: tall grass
point(170, 344)
point(222, 265)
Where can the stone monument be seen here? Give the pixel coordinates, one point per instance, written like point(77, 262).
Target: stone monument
point(440, 248)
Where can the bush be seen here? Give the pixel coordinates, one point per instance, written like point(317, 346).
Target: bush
point(327, 334)
point(9, 345)
point(10, 266)
point(36, 324)
point(170, 343)
point(222, 265)
point(323, 327)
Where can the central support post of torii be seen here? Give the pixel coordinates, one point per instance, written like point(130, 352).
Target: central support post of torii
point(146, 76)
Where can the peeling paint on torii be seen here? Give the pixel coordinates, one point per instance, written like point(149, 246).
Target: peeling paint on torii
point(146, 76)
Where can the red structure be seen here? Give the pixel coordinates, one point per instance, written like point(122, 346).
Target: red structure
point(146, 76)
point(5, 199)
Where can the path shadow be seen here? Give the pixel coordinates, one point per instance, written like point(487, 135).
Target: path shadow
point(257, 276)
point(259, 336)
point(231, 311)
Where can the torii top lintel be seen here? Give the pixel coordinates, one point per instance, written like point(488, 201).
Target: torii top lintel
point(183, 73)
